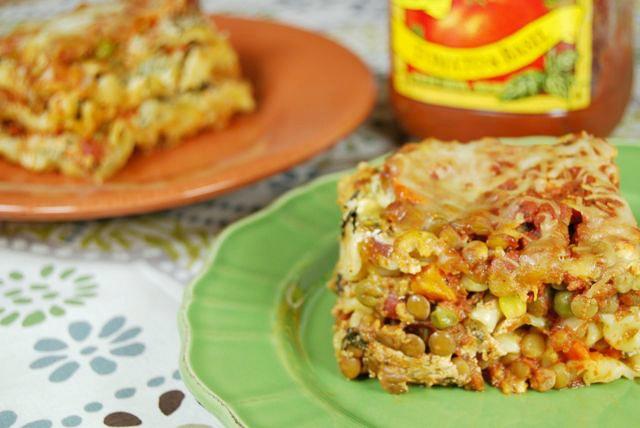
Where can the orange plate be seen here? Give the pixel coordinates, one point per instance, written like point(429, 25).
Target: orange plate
point(310, 92)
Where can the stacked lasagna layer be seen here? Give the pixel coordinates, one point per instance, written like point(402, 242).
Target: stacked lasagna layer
point(465, 262)
point(80, 92)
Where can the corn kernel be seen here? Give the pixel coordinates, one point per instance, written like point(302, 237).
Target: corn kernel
point(475, 251)
point(110, 91)
point(413, 246)
point(480, 225)
point(472, 286)
point(449, 235)
point(512, 306)
point(500, 240)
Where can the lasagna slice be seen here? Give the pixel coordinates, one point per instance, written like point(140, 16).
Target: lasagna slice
point(81, 91)
point(463, 262)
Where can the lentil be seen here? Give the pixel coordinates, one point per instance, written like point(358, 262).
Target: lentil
point(533, 345)
point(418, 306)
point(520, 369)
point(543, 380)
point(441, 343)
point(413, 346)
point(584, 307)
point(350, 367)
point(563, 376)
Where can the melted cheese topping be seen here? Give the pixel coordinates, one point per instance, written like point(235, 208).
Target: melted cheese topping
point(549, 213)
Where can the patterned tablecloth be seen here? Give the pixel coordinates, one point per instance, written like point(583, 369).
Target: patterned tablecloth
point(88, 332)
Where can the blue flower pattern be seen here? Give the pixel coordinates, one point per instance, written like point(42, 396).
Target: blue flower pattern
point(9, 418)
point(101, 350)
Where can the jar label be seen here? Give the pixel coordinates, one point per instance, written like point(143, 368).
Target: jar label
point(513, 56)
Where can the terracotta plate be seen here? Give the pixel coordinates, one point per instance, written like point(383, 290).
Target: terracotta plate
point(310, 91)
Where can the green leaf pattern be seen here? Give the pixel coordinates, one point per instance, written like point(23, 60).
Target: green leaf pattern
point(29, 300)
point(556, 79)
point(559, 72)
point(171, 236)
point(526, 84)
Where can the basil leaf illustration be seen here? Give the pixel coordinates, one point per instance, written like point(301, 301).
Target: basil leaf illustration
point(522, 85)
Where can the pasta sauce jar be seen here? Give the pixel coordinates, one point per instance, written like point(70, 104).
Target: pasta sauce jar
point(465, 69)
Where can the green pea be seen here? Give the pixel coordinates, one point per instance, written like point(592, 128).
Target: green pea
point(442, 318)
point(562, 304)
point(105, 49)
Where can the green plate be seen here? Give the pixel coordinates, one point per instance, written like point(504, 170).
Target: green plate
point(256, 329)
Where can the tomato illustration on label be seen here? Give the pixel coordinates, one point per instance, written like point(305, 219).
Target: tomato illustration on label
point(520, 56)
point(475, 23)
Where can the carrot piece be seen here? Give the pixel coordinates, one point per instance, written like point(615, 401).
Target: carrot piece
point(432, 285)
point(578, 351)
point(613, 353)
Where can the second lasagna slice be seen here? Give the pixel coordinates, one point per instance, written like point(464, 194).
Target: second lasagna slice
point(465, 262)
point(81, 91)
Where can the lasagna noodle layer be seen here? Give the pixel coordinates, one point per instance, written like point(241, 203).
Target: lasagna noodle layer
point(156, 121)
